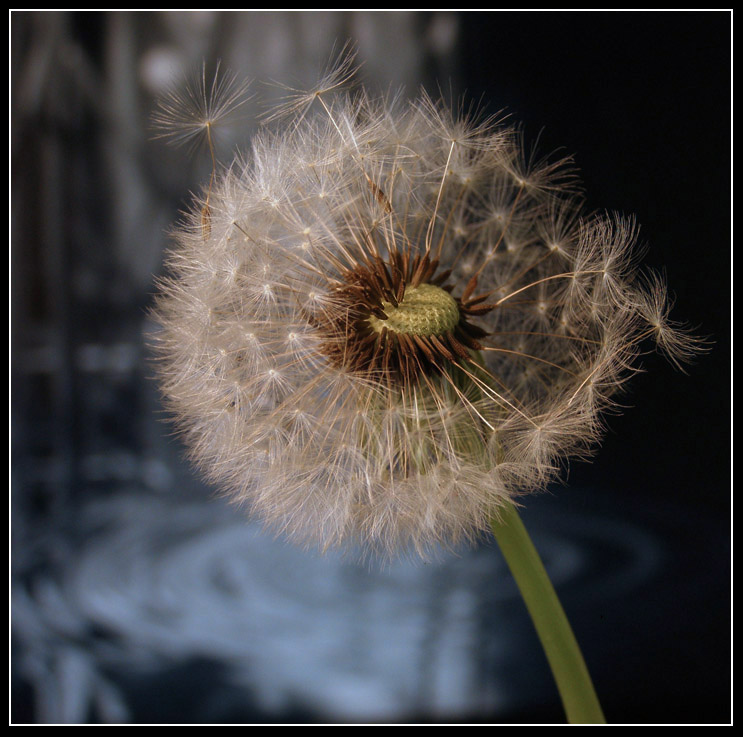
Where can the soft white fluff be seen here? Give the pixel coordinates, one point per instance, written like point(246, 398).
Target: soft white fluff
point(328, 454)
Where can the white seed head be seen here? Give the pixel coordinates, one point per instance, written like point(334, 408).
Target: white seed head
point(396, 322)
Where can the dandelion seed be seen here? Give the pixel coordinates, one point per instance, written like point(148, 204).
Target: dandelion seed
point(189, 115)
point(396, 322)
point(337, 75)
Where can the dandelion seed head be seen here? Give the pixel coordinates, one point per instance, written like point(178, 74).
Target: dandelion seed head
point(397, 321)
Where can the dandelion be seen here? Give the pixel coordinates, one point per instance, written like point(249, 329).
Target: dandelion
point(397, 322)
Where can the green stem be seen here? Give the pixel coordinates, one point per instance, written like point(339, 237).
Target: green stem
point(559, 643)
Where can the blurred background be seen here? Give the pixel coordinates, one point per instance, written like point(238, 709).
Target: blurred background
point(139, 597)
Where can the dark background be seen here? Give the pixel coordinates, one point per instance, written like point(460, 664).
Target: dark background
point(643, 101)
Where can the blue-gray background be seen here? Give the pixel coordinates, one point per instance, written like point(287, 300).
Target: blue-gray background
point(139, 597)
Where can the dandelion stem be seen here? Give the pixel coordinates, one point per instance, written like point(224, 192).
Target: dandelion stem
point(560, 646)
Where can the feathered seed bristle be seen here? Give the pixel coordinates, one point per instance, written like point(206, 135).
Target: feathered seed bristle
point(189, 114)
